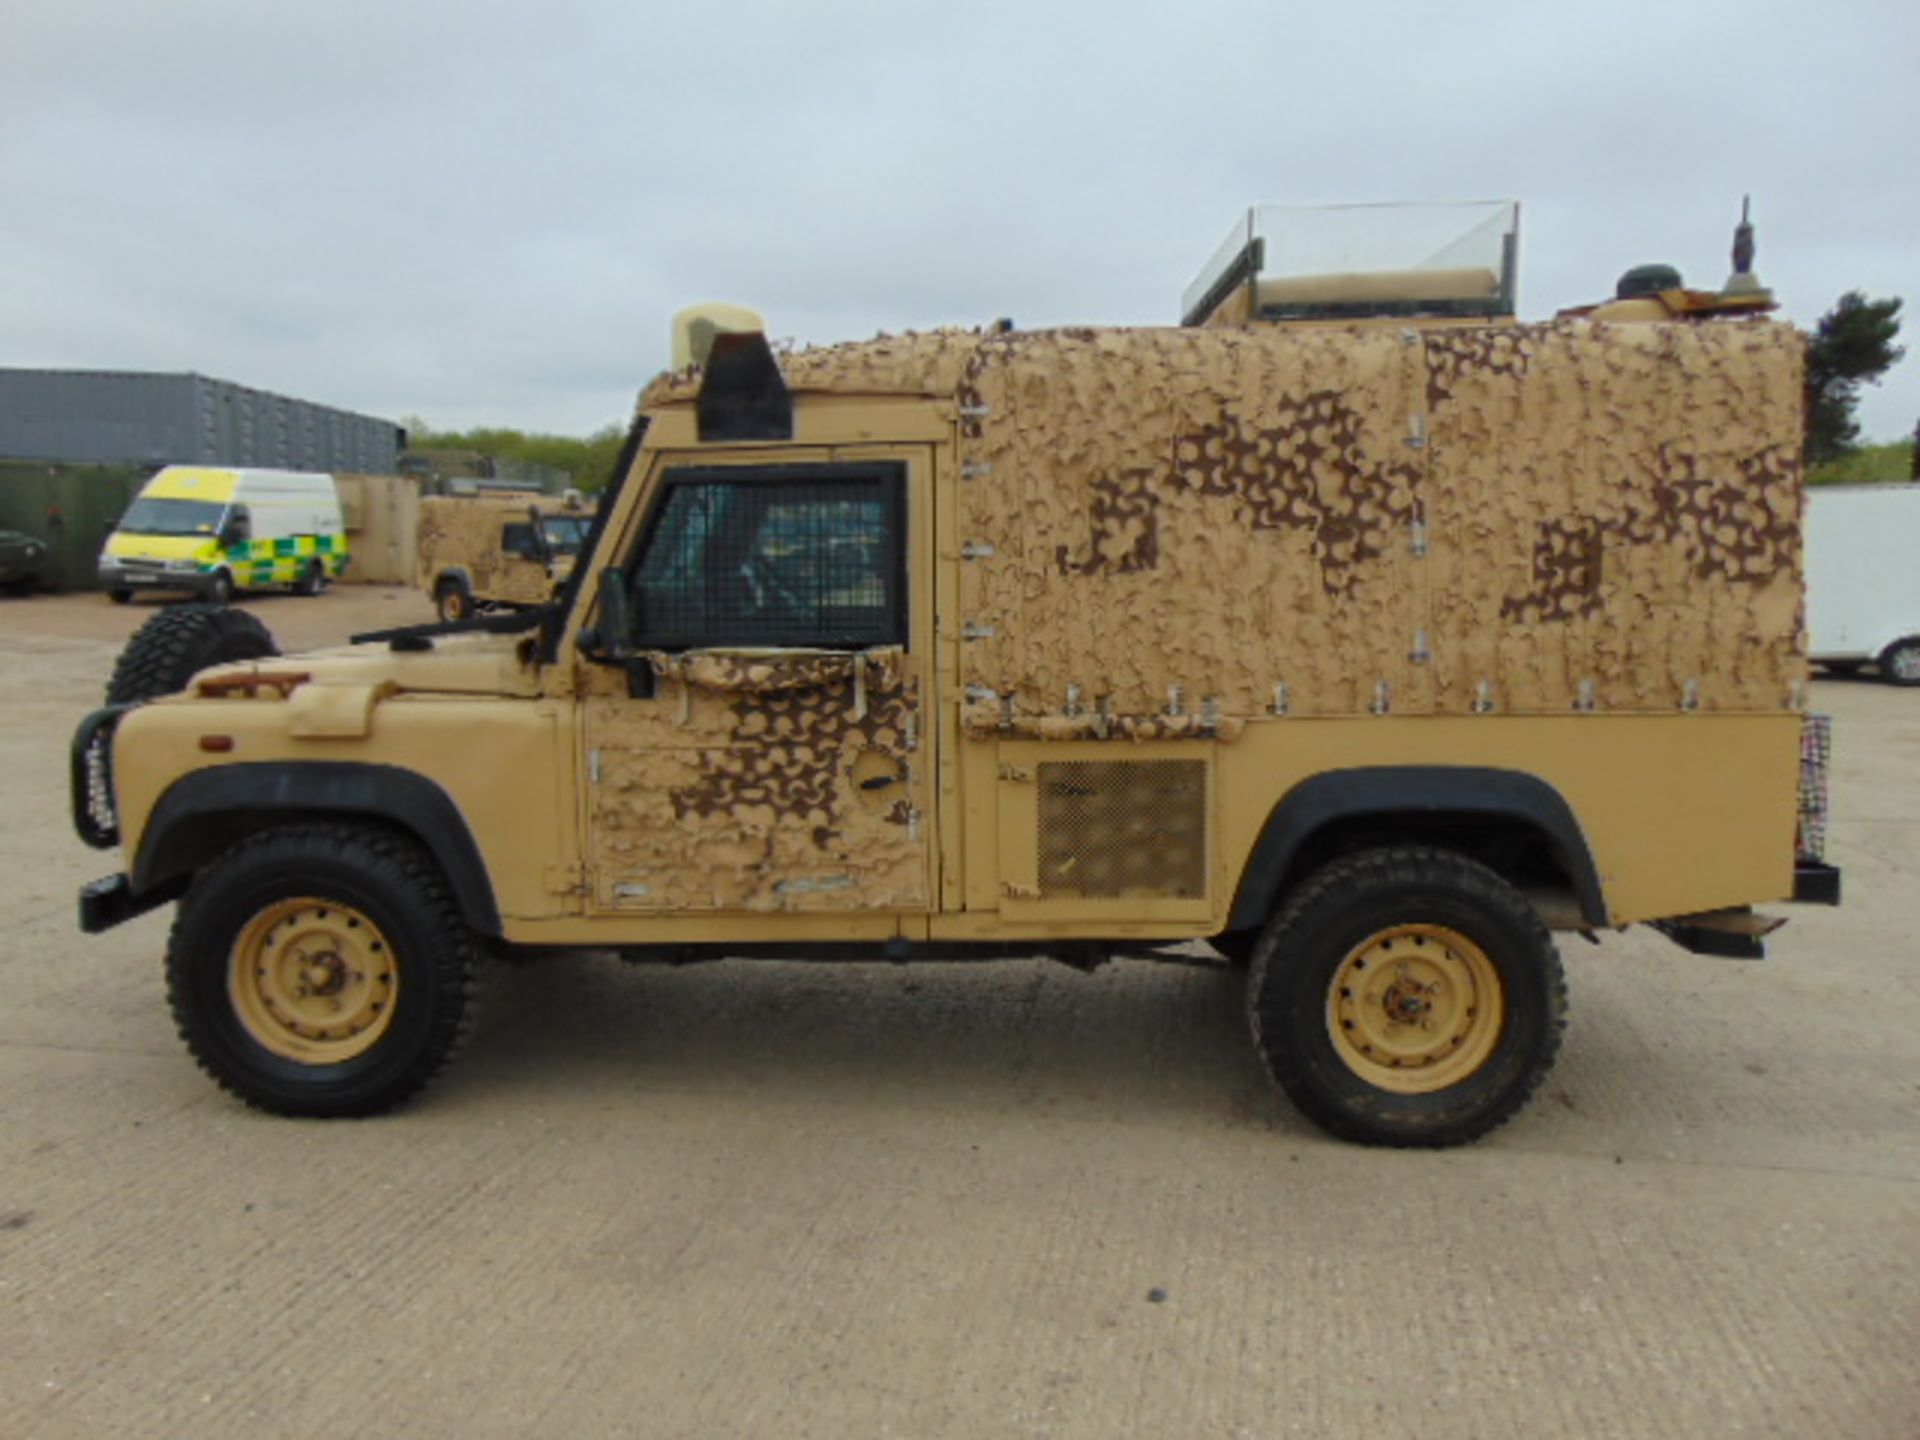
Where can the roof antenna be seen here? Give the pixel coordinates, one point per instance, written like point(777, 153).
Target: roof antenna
point(1743, 281)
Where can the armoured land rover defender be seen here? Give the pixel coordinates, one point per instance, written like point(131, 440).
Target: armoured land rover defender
point(497, 550)
point(1352, 627)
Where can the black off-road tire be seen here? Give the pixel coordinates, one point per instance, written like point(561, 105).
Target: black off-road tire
point(453, 600)
point(179, 642)
point(312, 581)
point(387, 879)
point(1408, 893)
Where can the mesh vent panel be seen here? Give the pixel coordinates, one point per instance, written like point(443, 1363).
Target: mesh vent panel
point(1114, 828)
point(1816, 750)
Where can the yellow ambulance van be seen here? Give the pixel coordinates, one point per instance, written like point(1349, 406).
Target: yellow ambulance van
point(214, 531)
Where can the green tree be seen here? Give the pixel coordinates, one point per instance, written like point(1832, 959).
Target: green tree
point(1851, 346)
point(589, 462)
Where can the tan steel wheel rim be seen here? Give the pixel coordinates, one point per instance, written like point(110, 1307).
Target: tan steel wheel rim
point(1415, 1008)
point(313, 980)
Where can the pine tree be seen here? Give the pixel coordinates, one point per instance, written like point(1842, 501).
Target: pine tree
point(1851, 346)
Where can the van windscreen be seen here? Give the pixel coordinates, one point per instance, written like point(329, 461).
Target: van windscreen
point(150, 515)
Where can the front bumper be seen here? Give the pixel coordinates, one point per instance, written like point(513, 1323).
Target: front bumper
point(110, 901)
point(153, 577)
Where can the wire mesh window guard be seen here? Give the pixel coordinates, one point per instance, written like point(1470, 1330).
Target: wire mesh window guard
point(786, 556)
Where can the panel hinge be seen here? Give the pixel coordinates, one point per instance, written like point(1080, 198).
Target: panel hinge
point(1013, 890)
point(1016, 772)
point(1417, 432)
point(1418, 539)
point(566, 879)
point(971, 631)
point(593, 767)
point(976, 550)
point(975, 469)
point(975, 412)
point(1421, 653)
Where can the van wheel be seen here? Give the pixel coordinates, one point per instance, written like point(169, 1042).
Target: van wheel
point(1900, 663)
point(321, 970)
point(1407, 996)
point(454, 600)
point(220, 591)
point(313, 581)
point(119, 597)
point(179, 642)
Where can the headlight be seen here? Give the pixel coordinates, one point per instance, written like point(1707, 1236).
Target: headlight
point(33, 552)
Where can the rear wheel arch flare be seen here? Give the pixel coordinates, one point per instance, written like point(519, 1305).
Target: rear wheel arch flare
point(1423, 798)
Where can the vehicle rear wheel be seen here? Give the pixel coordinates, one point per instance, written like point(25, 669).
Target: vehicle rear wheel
point(179, 642)
point(313, 581)
point(321, 970)
point(1407, 996)
point(1900, 663)
point(453, 600)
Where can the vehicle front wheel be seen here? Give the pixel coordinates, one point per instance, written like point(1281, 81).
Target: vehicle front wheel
point(1900, 664)
point(1407, 996)
point(119, 596)
point(312, 581)
point(321, 970)
point(453, 600)
point(220, 589)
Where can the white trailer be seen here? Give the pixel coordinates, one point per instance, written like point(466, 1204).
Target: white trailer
point(1863, 582)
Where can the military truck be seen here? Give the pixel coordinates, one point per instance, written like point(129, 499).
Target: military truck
point(1365, 636)
point(497, 550)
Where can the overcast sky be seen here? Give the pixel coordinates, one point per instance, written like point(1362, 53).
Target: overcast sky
point(486, 212)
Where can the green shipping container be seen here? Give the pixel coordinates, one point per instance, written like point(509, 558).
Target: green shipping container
point(69, 507)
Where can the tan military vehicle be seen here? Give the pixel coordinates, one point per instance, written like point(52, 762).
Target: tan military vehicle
point(497, 550)
point(1370, 636)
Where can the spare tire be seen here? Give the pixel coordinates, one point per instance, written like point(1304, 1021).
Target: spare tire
point(178, 643)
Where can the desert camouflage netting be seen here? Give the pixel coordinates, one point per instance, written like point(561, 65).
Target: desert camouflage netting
point(1192, 527)
point(734, 794)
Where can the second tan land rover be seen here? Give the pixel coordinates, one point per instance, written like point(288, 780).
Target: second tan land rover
point(1352, 627)
point(497, 550)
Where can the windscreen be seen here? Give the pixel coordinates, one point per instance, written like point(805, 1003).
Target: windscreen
point(565, 533)
point(150, 515)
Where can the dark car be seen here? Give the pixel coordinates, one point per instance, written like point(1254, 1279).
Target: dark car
point(23, 562)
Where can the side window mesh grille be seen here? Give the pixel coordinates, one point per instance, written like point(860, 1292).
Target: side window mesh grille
point(1111, 829)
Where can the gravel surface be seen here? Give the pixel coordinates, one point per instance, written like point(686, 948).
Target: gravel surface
point(838, 1200)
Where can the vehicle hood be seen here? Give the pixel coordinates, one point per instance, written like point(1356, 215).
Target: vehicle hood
point(133, 546)
point(476, 664)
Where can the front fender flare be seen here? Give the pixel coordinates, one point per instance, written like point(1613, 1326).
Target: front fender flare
point(203, 812)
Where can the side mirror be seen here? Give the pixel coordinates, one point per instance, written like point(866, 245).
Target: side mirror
point(537, 527)
point(610, 641)
point(616, 613)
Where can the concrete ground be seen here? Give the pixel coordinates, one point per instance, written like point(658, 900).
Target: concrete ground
point(972, 1201)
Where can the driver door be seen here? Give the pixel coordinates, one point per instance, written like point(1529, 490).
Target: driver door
point(780, 762)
